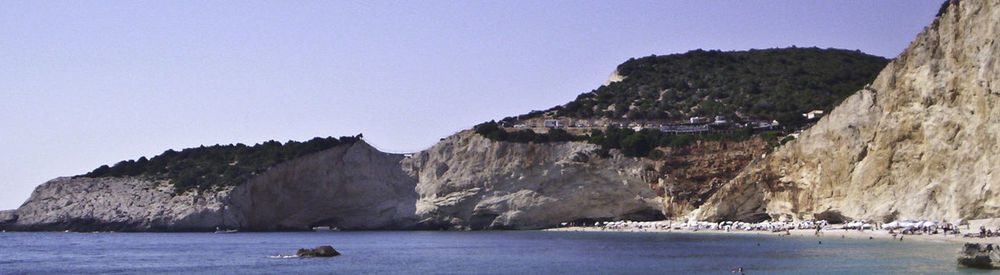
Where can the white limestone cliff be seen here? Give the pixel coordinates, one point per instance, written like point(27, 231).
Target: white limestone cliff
point(470, 182)
point(920, 142)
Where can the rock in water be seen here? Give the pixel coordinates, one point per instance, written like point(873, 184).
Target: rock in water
point(319, 251)
point(977, 255)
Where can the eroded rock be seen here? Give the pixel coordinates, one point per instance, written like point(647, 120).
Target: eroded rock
point(976, 255)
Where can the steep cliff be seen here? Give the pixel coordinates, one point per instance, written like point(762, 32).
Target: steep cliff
point(464, 182)
point(467, 181)
point(351, 186)
point(919, 142)
point(687, 176)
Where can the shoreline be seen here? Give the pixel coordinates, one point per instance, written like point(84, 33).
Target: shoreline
point(825, 233)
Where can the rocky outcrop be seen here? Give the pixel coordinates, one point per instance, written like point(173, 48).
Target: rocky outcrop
point(469, 182)
point(319, 251)
point(121, 204)
point(919, 142)
point(7, 217)
point(976, 255)
point(349, 186)
point(464, 182)
point(614, 77)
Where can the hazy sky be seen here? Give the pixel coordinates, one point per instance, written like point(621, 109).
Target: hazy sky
point(85, 83)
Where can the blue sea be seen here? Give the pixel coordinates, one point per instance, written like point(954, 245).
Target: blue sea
point(492, 252)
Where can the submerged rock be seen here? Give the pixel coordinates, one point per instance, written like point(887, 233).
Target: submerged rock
point(319, 251)
point(976, 255)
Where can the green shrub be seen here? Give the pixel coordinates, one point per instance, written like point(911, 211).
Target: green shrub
point(220, 165)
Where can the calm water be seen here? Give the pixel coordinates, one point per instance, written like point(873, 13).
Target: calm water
point(524, 252)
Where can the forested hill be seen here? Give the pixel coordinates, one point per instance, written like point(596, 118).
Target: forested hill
point(756, 84)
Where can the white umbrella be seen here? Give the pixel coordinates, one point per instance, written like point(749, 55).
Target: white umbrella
point(891, 225)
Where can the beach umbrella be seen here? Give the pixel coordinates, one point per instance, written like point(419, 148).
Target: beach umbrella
point(894, 224)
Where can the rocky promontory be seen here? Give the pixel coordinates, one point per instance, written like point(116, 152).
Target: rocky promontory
point(352, 186)
point(465, 182)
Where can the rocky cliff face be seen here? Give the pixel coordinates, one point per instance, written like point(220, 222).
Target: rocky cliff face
point(467, 181)
point(119, 204)
point(687, 176)
point(351, 186)
point(920, 142)
point(464, 182)
point(614, 77)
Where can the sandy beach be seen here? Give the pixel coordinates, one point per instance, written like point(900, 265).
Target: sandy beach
point(828, 233)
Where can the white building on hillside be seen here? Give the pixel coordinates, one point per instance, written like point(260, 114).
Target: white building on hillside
point(552, 123)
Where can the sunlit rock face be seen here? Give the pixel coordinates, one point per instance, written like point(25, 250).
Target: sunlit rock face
point(920, 142)
point(120, 204)
point(469, 182)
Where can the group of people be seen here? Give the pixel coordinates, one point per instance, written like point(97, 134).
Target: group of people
point(904, 227)
point(703, 225)
point(985, 232)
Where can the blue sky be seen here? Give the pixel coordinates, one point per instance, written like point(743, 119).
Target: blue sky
point(86, 83)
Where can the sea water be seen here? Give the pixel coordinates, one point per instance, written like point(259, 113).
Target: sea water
point(496, 252)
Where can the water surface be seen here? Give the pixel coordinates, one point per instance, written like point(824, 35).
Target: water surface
point(498, 252)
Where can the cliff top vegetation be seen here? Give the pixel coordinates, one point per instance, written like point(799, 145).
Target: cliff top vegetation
point(219, 165)
point(766, 84)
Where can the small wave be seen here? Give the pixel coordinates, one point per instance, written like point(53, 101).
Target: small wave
point(283, 256)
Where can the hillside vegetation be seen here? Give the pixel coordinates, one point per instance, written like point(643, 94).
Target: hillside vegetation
point(773, 84)
point(219, 165)
point(767, 84)
point(632, 143)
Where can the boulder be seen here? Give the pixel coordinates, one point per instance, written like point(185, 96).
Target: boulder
point(976, 255)
point(319, 251)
